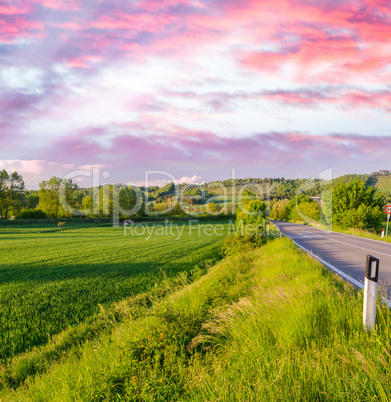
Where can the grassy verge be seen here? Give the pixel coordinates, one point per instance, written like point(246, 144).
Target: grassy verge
point(362, 233)
point(263, 324)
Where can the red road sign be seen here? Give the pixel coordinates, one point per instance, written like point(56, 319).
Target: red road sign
point(388, 209)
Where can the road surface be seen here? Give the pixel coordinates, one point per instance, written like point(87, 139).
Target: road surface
point(346, 253)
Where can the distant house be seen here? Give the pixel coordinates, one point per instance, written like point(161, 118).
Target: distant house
point(318, 200)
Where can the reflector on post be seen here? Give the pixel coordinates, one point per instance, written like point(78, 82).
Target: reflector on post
point(370, 292)
point(372, 271)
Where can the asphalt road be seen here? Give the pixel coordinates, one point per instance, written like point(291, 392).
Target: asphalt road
point(345, 252)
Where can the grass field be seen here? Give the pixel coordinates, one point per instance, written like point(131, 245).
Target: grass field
point(383, 184)
point(263, 324)
point(51, 280)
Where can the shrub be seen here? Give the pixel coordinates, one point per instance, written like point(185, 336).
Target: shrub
point(31, 214)
point(354, 205)
point(237, 244)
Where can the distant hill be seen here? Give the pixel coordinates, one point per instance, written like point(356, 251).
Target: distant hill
point(380, 180)
point(275, 188)
point(382, 183)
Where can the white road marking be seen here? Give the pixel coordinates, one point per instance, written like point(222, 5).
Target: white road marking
point(339, 241)
point(362, 248)
point(345, 234)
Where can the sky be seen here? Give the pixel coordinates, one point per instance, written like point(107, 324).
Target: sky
point(115, 90)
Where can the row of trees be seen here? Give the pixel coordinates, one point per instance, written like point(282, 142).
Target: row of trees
point(11, 186)
point(295, 209)
point(349, 202)
point(60, 198)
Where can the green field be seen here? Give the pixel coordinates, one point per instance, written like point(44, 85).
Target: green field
point(264, 324)
point(51, 280)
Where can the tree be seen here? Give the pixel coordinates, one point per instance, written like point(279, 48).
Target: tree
point(279, 210)
point(309, 210)
point(253, 212)
point(57, 196)
point(211, 208)
point(129, 199)
point(11, 187)
point(354, 205)
point(302, 207)
point(60, 225)
point(177, 210)
point(88, 204)
point(30, 199)
point(250, 221)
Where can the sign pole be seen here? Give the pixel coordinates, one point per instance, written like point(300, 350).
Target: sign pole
point(388, 212)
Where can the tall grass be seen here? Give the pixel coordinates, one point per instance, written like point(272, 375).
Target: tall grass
point(364, 233)
point(298, 336)
point(265, 324)
point(375, 235)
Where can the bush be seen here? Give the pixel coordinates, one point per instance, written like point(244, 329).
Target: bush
point(364, 218)
point(279, 210)
point(302, 208)
point(353, 205)
point(237, 244)
point(31, 214)
point(253, 212)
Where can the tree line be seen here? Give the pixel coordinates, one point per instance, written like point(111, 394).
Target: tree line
point(347, 202)
point(62, 198)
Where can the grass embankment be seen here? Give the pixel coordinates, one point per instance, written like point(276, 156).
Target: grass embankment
point(263, 324)
point(50, 280)
point(363, 233)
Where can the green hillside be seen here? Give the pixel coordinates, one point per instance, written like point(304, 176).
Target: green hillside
point(383, 184)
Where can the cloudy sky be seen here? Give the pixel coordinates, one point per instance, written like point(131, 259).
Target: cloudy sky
point(194, 88)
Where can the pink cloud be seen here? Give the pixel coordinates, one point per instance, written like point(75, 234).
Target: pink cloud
point(34, 167)
point(347, 40)
point(81, 62)
point(61, 4)
point(19, 27)
point(339, 96)
point(156, 5)
point(325, 48)
point(134, 22)
point(205, 152)
point(12, 9)
point(303, 97)
point(348, 37)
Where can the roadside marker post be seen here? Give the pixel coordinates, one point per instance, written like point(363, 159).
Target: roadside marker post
point(370, 292)
point(388, 212)
point(382, 233)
